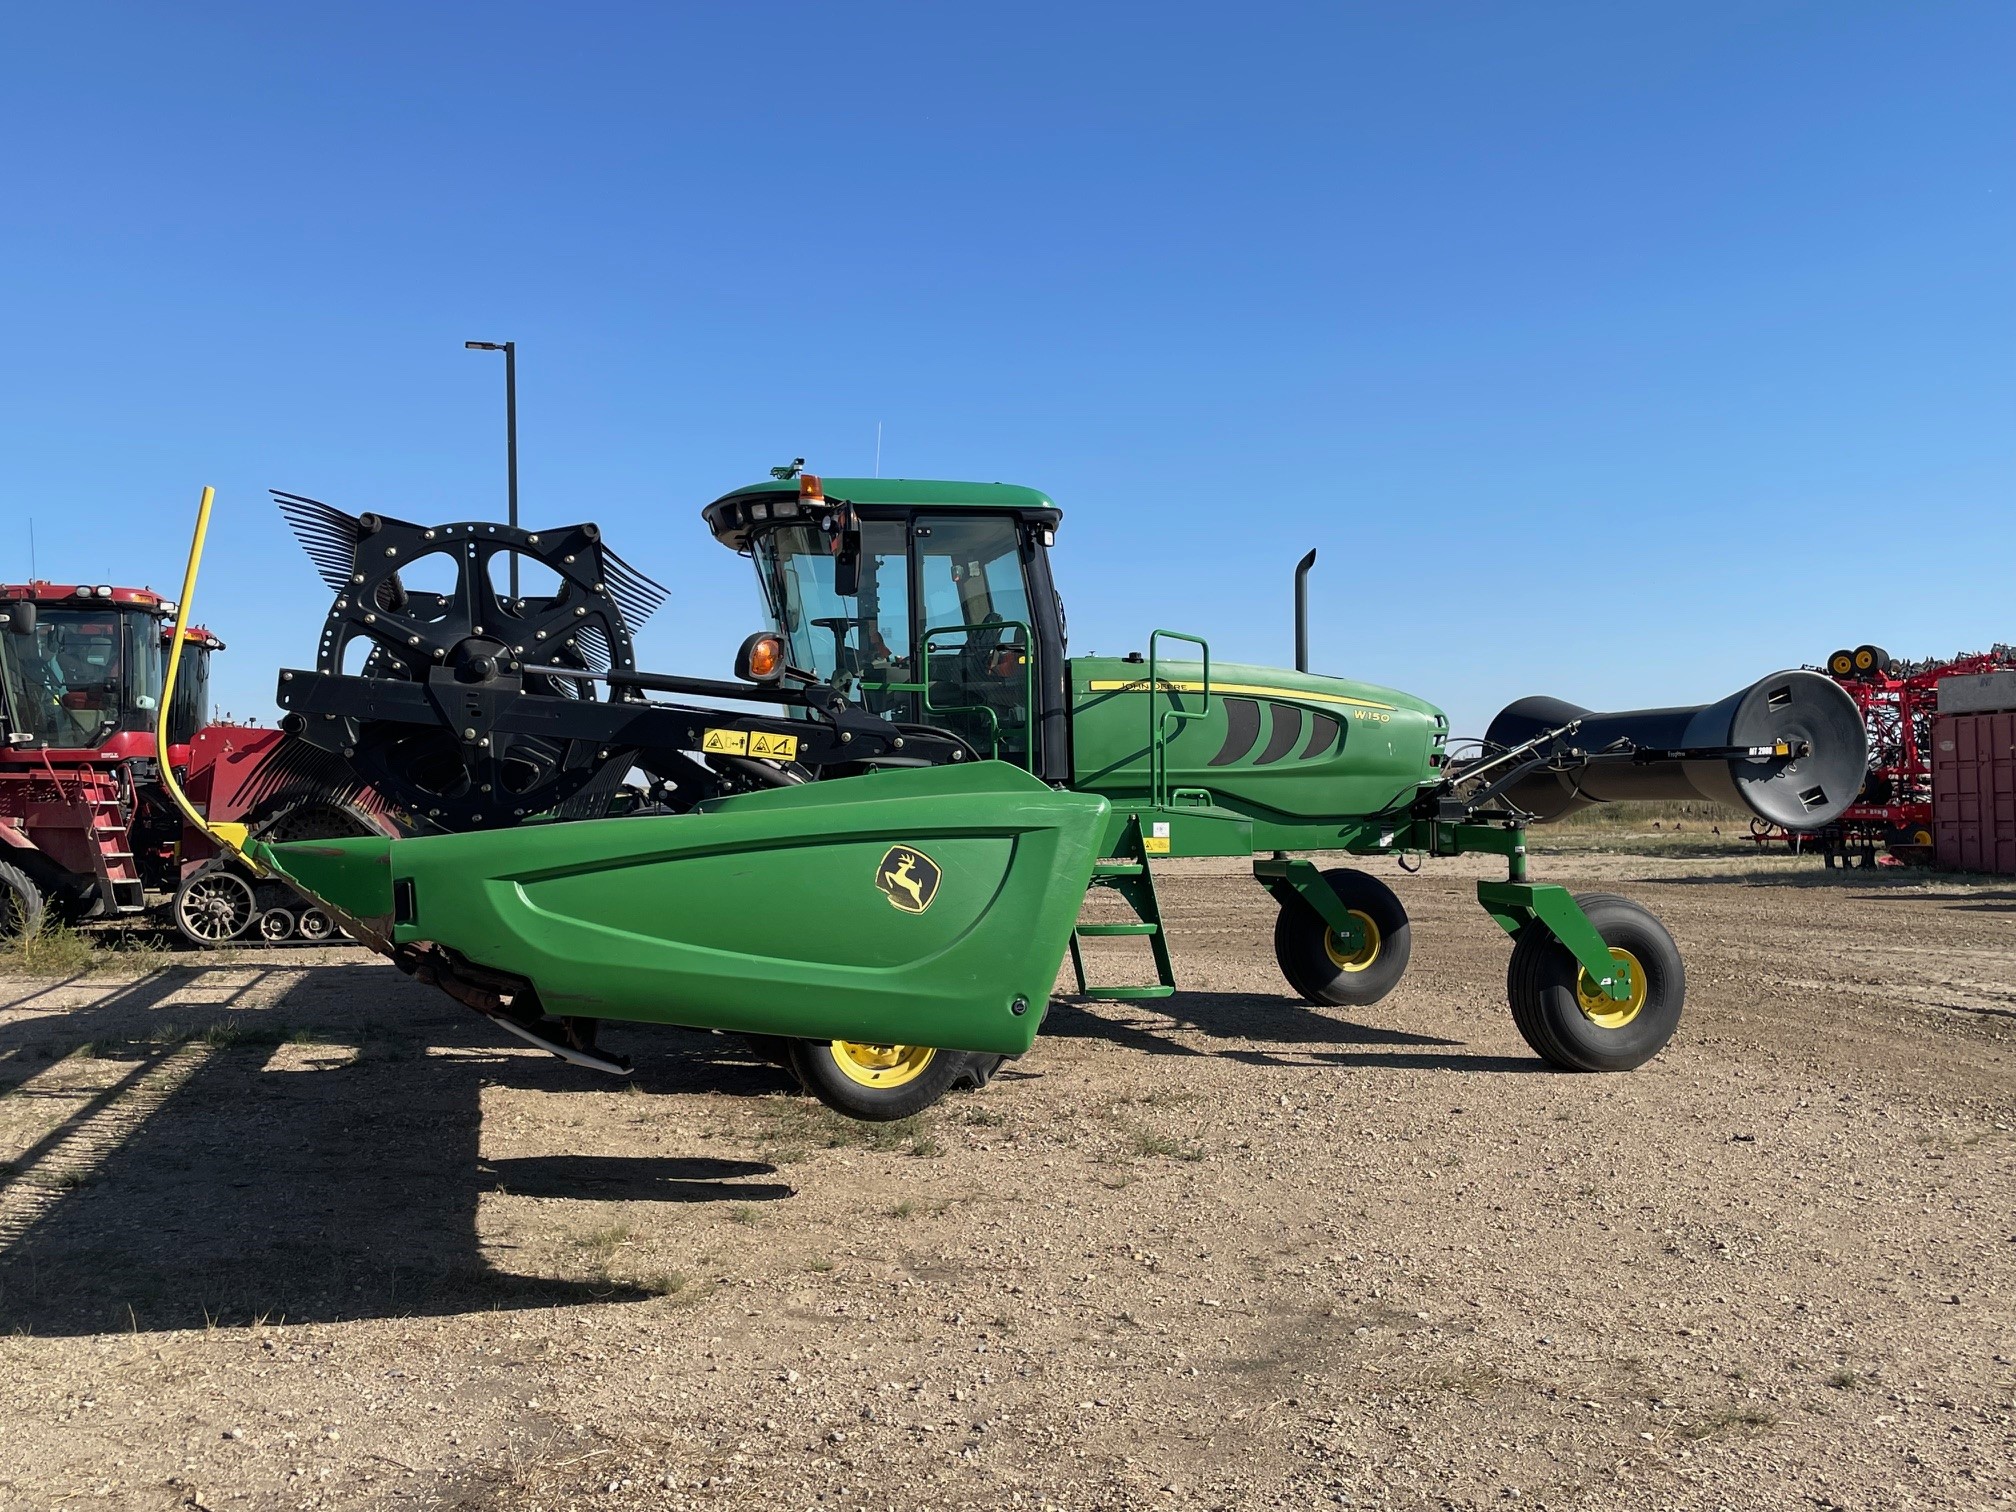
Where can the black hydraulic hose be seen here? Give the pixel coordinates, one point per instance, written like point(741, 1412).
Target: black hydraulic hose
point(760, 771)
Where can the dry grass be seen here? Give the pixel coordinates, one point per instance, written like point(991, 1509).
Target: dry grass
point(1727, 1419)
point(1145, 1142)
point(1679, 828)
point(795, 1127)
point(60, 951)
point(1684, 815)
point(221, 1034)
point(911, 1207)
point(55, 951)
point(605, 1241)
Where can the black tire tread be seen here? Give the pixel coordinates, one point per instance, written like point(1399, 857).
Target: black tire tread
point(1299, 930)
point(33, 905)
point(1286, 956)
point(1540, 964)
point(811, 1062)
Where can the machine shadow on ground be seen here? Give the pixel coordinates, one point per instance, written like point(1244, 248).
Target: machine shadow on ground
point(1253, 1016)
point(237, 1192)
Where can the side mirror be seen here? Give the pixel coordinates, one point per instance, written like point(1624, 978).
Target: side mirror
point(20, 618)
point(843, 544)
point(761, 659)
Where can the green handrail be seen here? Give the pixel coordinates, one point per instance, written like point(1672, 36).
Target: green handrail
point(1160, 721)
point(923, 688)
point(993, 719)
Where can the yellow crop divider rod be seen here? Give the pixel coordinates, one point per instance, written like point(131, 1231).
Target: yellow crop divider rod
point(231, 836)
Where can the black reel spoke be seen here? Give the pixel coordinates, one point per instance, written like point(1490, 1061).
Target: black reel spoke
point(430, 605)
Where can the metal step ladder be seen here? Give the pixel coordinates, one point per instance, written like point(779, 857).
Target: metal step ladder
point(112, 845)
point(1127, 874)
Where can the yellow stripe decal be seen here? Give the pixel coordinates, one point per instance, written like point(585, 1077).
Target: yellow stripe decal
point(1169, 685)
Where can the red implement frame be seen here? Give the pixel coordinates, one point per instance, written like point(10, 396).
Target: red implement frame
point(92, 826)
point(1894, 814)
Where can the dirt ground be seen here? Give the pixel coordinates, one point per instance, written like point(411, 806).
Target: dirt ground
point(283, 1231)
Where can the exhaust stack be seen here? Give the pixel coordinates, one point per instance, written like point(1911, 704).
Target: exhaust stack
point(1302, 610)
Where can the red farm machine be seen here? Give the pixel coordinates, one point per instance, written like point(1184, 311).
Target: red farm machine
point(1897, 700)
point(86, 831)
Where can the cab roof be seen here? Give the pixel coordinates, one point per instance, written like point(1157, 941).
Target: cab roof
point(39, 591)
point(729, 516)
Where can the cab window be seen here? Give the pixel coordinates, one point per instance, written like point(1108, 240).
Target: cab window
point(974, 600)
point(862, 639)
point(66, 684)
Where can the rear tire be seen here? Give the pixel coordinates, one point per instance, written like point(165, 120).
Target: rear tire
point(1567, 1019)
point(21, 905)
point(881, 1083)
point(215, 906)
point(1311, 961)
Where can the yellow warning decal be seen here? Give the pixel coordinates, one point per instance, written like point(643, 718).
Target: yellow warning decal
point(1155, 845)
point(770, 747)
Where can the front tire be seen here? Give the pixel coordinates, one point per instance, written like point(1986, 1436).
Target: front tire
point(881, 1083)
point(1315, 964)
point(21, 905)
point(1566, 1017)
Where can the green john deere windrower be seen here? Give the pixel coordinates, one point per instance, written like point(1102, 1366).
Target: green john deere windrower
point(870, 852)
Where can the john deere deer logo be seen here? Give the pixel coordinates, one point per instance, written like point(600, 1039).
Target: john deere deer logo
point(908, 878)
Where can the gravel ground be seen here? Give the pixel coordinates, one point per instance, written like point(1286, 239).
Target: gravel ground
point(286, 1230)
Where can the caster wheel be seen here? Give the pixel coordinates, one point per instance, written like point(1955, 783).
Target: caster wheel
point(1871, 661)
point(1842, 664)
point(879, 1083)
point(1318, 965)
point(1566, 1017)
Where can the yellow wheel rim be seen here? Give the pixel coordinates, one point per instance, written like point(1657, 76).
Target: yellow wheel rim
point(1843, 665)
point(1608, 1012)
point(881, 1065)
point(1354, 960)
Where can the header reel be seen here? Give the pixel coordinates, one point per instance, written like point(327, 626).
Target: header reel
point(471, 707)
point(484, 640)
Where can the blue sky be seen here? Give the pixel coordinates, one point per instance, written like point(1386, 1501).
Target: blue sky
point(1621, 352)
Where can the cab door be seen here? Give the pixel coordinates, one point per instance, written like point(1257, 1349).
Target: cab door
point(977, 649)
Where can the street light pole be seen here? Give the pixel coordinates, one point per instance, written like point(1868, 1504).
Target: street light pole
point(510, 351)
